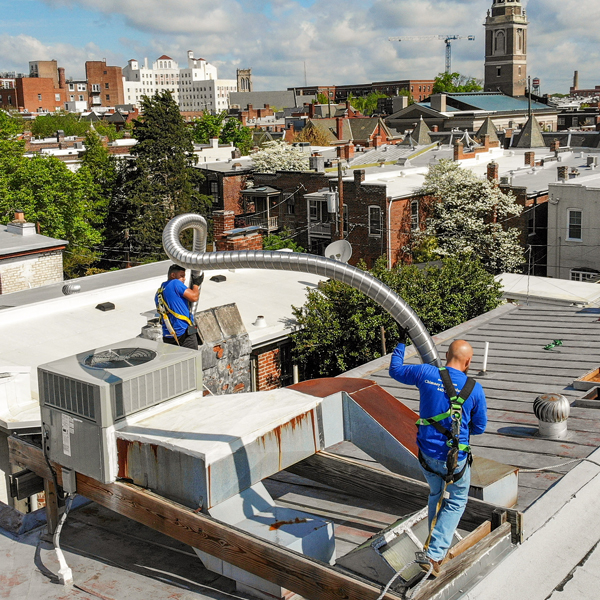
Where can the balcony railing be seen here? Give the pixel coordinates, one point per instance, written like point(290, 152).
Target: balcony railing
point(270, 224)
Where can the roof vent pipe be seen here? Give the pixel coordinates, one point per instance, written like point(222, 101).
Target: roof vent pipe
point(71, 288)
point(260, 321)
point(552, 412)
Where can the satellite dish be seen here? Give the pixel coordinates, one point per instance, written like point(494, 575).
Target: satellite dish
point(340, 251)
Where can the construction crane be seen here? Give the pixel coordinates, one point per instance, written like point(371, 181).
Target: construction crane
point(445, 38)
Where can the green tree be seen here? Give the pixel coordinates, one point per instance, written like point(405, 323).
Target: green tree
point(454, 83)
point(468, 216)
point(51, 195)
point(241, 136)
point(208, 127)
point(339, 327)
point(366, 104)
point(159, 183)
point(47, 125)
point(321, 98)
point(98, 172)
point(279, 241)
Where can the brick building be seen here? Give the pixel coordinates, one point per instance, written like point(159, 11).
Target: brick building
point(27, 259)
point(420, 89)
point(104, 84)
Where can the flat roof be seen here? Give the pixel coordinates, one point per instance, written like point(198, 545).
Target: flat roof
point(13, 243)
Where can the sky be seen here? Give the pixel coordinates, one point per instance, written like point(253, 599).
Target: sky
point(336, 41)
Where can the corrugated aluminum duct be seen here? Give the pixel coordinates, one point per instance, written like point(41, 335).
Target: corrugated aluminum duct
point(304, 263)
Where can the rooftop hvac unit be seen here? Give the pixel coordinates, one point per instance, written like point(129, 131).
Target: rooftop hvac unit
point(82, 397)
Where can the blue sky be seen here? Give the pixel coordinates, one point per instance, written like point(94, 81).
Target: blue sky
point(341, 41)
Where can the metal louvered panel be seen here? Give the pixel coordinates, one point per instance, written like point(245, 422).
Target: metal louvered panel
point(153, 388)
point(69, 394)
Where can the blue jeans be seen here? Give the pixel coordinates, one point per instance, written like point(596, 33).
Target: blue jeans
point(452, 507)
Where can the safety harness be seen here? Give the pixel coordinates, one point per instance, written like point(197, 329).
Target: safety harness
point(164, 311)
point(453, 442)
point(453, 436)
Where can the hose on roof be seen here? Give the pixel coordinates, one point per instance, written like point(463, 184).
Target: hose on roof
point(300, 262)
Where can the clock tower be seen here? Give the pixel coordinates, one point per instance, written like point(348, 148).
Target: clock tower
point(506, 48)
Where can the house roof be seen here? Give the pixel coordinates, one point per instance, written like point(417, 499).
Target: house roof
point(277, 99)
point(419, 136)
point(518, 371)
point(354, 129)
point(488, 128)
point(531, 135)
point(164, 57)
point(493, 102)
point(12, 243)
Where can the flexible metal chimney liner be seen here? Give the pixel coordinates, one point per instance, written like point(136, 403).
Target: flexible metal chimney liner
point(303, 263)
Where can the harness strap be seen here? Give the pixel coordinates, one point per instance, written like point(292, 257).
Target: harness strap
point(168, 309)
point(449, 477)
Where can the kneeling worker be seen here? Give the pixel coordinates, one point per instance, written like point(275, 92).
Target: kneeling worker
point(173, 304)
point(452, 407)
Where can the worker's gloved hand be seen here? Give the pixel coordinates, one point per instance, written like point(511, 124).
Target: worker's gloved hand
point(197, 279)
point(402, 336)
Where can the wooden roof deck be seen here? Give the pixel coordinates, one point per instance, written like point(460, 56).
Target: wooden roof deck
point(518, 371)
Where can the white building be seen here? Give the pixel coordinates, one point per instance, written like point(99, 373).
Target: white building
point(194, 88)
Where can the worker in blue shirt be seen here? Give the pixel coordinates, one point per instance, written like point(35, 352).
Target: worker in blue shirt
point(434, 436)
point(172, 302)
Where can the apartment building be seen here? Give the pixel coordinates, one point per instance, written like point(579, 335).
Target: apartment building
point(104, 84)
point(195, 87)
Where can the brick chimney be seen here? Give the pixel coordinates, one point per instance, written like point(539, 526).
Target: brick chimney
point(339, 124)
point(60, 136)
point(493, 171)
point(346, 152)
point(359, 176)
point(223, 220)
point(530, 159)
point(458, 150)
point(244, 241)
point(563, 173)
point(311, 111)
point(376, 141)
point(62, 80)
point(435, 128)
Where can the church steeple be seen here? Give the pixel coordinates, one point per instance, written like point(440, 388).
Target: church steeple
point(506, 48)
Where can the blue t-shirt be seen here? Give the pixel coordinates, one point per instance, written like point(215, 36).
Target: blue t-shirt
point(434, 401)
point(173, 294)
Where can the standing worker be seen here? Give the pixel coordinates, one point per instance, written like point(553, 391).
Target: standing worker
point(172, 302)
point(452, 407)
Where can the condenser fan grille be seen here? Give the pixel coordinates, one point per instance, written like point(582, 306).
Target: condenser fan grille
point(120, 358)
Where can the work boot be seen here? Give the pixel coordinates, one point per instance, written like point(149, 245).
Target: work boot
point(435, 564)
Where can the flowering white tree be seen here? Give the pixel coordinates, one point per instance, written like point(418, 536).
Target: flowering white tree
point(279, 156)
point(468, 216)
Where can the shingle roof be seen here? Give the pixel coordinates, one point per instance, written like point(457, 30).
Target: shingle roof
point(488, 128)
point(531, 135)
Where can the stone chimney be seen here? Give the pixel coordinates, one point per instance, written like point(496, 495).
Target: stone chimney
point(530, 159)
point(438, 102)
point(555, 146)
point(576, 80)
point(60, 136)
point(493, 171)
point(563, 173)
point(317, 163)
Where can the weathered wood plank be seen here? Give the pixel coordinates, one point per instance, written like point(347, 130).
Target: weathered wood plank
point(453, 568)
point(291, 570)
point(51, 506)
point(470, 540)
point(368, 482)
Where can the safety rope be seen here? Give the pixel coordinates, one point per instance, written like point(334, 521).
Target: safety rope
point(404, 589)
point(569, 462)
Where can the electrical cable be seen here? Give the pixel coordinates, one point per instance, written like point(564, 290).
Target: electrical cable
point(57, 489)
point(65, 575)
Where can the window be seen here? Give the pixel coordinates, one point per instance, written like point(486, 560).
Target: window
point(71, 97)
point(374, 221)
point(108, 96)
point(290, 204)
point(95, 87)
point(498, 71)
point(214, 190)
point(39, 96)
point(71, 87)
point(574, 224)
point(80, 97)
point(318, 211)
point(106, 86)
point(414, 215)
point(57, 97)
point(81, 87)
point(584, 274)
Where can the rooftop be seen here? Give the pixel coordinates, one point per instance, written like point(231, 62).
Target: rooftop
point(12, 243)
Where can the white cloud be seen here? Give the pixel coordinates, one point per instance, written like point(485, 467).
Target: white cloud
point(341, 41)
